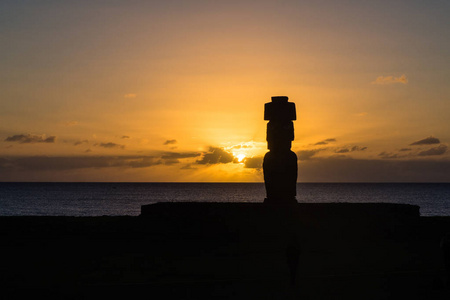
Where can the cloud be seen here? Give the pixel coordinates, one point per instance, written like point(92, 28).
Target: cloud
point(171, 158)
point(343, 150)
point(361, 114)
point(390, 80)
point(125, 137)
point(111, 145)
point(427, 141)
point(352, 149)
point(170, 142)
point(30, 139)
point(307, 154)
point(44, 163)
point(187, 167)
point(178, 155)
point(254, 162)
point(441, 149)
point(216, 156)
point(390, 155)
point(325, 142)
point(85, 162)
point(80, 142)
point(130, 95)
point(333, 169)
point(139, 162)
point(357, 148)
point(405, 152)
point(172, 161)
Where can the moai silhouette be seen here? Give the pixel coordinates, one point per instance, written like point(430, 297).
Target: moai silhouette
point(280, 163)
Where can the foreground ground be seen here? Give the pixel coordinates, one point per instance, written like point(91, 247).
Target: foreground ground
point(228, 251)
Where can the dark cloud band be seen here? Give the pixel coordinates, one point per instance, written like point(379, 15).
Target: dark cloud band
point(76, 162)
point(427, 141)
point(440, 150)
point(216, 156)
point(111, 145)
point(30, 139)
point(335, 169)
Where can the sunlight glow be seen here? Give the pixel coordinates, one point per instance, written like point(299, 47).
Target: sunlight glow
point(245, 150)
point(240, 157)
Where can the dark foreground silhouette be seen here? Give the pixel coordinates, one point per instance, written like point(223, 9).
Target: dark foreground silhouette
point(228, 251)
point(280, 163)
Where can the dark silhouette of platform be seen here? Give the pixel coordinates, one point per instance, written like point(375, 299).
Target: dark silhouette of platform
point(229, 251)
point(386, 213)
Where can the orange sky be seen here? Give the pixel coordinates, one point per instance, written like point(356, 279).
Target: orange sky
point(175, 90)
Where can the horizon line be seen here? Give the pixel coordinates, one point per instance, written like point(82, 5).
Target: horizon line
point(321, 182)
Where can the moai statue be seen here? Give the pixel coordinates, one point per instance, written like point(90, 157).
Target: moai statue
point(280, 163)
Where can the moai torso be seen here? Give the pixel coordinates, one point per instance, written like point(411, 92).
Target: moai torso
point(280, 163)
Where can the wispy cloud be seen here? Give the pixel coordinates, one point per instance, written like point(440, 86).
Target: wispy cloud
point(325, 142)
point(390, 155)
point(30, 139)
point(357, 148)
point(130, 95)
point(111, 145)
point(342, 150)
point(338, 169)
point(441, 149)
point(80, 142)
point(390, 80)
point(177, 155)
point(78, 162)
point(170, 142)
point(350, 149)
point(410, 153)
point(427, 141)
point(187, 167)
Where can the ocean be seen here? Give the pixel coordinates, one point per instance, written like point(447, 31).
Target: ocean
point(121, 199)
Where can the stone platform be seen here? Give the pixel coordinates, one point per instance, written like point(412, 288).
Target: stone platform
point(228, 251)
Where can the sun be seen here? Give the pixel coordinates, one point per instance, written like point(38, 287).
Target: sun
point(243, 151)
point(240, 157)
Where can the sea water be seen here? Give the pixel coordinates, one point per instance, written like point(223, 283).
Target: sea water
point(115, 199)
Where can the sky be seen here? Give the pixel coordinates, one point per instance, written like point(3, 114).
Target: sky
point(174, 91)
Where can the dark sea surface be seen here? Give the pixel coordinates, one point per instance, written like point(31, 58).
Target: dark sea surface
point(97, 199)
